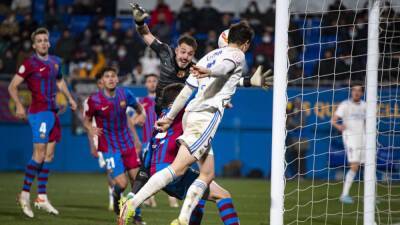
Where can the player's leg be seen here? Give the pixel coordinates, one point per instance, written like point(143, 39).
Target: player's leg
point(222, 197)
point(158, 181)
point(42, 201)
point(353, 157)
point(110, 184)
point(197, 188)
point(173, 202)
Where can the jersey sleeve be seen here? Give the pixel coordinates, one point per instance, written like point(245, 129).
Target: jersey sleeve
point(25, 69)
point(340, 110)
point(91, 108)
point(58, 66)
point(160, 48)
point(192, 81)
point(130, 98)
point(237, 57)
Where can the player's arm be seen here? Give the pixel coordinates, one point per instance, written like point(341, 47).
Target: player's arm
point(218, 70)
point(13, 91)
point(258, 79)
point(136, 139)
point(336, 117)
point(179, 103)
point(139, 15)
point(62, 86)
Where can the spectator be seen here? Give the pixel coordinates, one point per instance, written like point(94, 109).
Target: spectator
point(134, 46)
point(161, 8)
point(21, 6)
point(5, 7)
point(9, 27)
point(98, 61)
point(187, 17)
point(24, 52)
point(264, 52)
point(84, 6)
point(225, 22)
point(296, 145)
point(117, 31)
point(9, 63)
point(253, 15)
point(212, 14)
point(65, 46)
point(124, 63)
point(28, 24)
point(150, 62)
point(162, 30)
point(138, 74)
point(52, 20)
point(268, 19)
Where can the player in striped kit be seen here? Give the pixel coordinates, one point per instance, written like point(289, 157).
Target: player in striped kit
point(215, 76)
point(42, 73)
point(108, 107)
point(352, 112)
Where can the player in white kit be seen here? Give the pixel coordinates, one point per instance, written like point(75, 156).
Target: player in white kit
point(215, 77)
point(352, 113)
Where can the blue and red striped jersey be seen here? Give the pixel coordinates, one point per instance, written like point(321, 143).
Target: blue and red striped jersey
point(110, 115)
point(41, 77)
point(148, 104)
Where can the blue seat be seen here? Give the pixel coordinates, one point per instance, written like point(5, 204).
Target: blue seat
point(65, 2)
point(79, 23)
point(126, 23)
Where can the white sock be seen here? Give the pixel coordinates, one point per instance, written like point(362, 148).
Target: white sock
point(110, 194)
point(43, 196)
point(158, 181)
point(25, 195)
point(348, 181)
point(193, 196)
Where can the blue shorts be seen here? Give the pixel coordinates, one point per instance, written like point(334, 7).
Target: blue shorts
point(114, 163)
point(179, 187)
point(42, 124)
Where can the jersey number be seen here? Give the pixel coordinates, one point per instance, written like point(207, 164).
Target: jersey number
point(110, 163)
point(42, 128)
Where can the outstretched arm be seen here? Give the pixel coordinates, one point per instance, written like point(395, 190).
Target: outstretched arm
point(139, 15)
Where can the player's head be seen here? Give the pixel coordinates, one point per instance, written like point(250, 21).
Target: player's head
point(185, 51)
point(241, 34)
point(40, 41)
point(356, 92)
point(99, 82)
point(109, 78)
point(169, 94)
point(151, 81)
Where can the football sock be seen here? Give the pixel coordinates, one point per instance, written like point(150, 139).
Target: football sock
point(227, 212)
point(30, 173)
point(43, 178)
point(193, 196)
point(117, 196)
point(348, 181)
point(197, 214)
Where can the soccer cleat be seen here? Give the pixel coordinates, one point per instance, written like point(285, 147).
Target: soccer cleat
point(45, 205)
point(178, 222)
point(111, 206)
point(25, 206)
point(126, 212)
point(138, 220)
point(346, 199)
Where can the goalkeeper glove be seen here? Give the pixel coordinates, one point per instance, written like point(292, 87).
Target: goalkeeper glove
point(259, 79)
point(139, 14)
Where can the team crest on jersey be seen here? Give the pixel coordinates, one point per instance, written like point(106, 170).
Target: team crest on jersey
point(21, 69)
point(181, 73)
point(122, 104)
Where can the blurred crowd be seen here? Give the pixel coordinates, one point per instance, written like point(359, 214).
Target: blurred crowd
point(88, 35)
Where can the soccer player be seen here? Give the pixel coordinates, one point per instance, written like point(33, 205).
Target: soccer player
point(108, 108)
point(215, 77)
point(93, 143)
point(148, 103)
point(164, 149)
point(352, 112)
point(42, 73)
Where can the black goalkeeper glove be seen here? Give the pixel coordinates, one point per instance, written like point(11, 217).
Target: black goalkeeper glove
point(139, 14)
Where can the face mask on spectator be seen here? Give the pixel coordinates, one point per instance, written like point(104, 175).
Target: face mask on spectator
point(27, 45)
point(111, 40)
point(267, 38)
point(89, 66)
point(121, 52)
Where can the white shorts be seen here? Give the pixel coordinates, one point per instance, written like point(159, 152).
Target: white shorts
point(198, 131)
point(355, 148)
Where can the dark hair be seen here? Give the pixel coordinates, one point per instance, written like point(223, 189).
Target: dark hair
point(40, 30)
point(169, 94)
point(240, 33)
point(189, 40)
point(98, 76)
point(355, 84)
point(107, 69)
point(150, 75)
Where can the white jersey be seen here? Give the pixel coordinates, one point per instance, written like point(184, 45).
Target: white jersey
point(353, 115)
point(216, 92)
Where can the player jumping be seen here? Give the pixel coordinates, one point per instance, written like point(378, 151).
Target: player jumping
point(42, 73)
point(216, 77)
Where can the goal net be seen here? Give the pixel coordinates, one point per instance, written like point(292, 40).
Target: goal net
point(327, 54)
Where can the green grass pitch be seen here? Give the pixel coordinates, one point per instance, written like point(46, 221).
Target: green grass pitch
point(82, 200)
